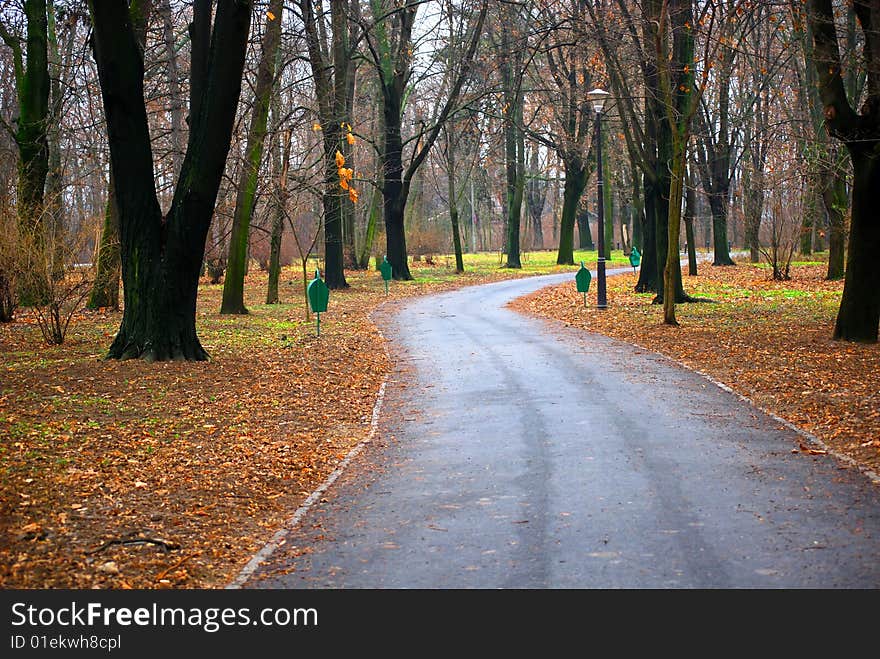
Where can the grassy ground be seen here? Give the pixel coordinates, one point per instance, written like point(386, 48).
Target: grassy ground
point(126, 474)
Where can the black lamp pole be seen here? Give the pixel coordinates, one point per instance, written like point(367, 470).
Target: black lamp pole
point(601, 301)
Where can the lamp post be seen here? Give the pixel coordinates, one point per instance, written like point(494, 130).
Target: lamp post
point(597, 98)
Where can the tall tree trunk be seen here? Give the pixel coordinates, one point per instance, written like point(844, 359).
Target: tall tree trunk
point(514, 139)
point(638, 211)
point(754, 208)
point(394, 190)
point(649, 274)
point(858, 317)
point(690, 209)
point(281, 166)
point(32, 86)
point(161, 257)
point(720, 241)
point(813, 211)
point(576, 175)
point(54, 193)
point(515, 169)
point(608, 224)
point(233, 285)
point(453, 200)
point(394, 68)
point(677, 83)
point(331, 68)
point(836, 201)
point(585, 237)
point(105, 289)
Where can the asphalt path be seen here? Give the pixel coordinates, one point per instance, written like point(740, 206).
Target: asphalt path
point(512, 452)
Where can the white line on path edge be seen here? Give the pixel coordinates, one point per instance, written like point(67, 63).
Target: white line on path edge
point(278, 539)
point(873, 476)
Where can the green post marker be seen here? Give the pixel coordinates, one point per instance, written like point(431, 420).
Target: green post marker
point(582, 279)
point(319, 296)
point(634, 258)
point(385, 269)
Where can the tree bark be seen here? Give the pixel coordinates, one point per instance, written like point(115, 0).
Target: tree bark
point(233, 285)
point(585, 237)
point(105, 289)
point(576, 175)
point(859, 314)
point(836, 201)
point(690, 208)
point(281, 166)
point(32, 85)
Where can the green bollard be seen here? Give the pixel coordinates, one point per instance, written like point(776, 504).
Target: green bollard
point(385, 269)
point(634, 258)
point(582, 279)
point(319, 296)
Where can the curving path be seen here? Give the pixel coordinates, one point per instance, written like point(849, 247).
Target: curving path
point(513, 453)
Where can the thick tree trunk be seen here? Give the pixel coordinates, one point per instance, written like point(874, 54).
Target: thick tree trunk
point(649, 278)
point(331, 72)
point(161, 258)
point(175, 98)
point(754, 208)
point(810, 217)
point(33, 113)
point(719, 230)
point(859, 315)
point(456, 239)
point(394, 191)
point(638, 212)
point(395, 236)
point(105, 289)
point(32, 85)
point(572, 191)
point(514, 141)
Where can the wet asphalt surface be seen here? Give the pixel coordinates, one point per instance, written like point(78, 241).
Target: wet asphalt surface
point(512, 453)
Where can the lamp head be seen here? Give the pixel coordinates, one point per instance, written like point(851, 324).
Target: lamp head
point(597, 98)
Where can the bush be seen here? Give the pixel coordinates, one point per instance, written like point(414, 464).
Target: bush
point(62, 282)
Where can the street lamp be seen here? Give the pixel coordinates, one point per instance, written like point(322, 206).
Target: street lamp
point(597, 98)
